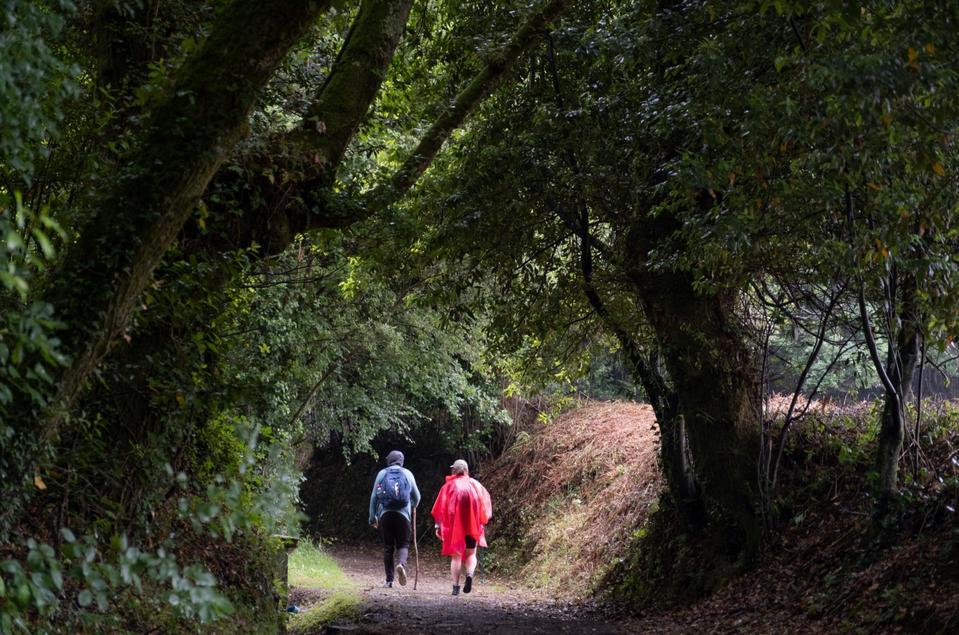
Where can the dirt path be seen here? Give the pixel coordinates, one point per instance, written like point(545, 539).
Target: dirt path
point(494, 606)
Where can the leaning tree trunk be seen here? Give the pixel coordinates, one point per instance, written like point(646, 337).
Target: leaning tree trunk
point(156, 202)
point(205, 114)
point(138, 214)
point(342, 104)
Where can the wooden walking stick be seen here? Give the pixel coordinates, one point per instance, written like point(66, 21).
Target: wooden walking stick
point(416, 552)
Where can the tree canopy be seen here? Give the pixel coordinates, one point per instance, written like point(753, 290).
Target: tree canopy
point(233, 231)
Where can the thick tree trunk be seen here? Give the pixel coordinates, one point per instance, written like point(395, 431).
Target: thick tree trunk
point(714, 378)
point(188, 137)
point(680, 473)
point(673, 450)
point(713, 375)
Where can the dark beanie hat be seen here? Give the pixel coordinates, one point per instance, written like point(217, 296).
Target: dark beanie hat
point(394, 458)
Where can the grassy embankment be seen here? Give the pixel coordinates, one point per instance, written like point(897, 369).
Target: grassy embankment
point(569, 497)
point(311, 567)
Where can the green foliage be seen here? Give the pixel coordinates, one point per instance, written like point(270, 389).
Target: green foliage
point(91, 574)
point(28, 332)
point(328, 347)
point(29, 347)
point(220, 448)
point(34, 82)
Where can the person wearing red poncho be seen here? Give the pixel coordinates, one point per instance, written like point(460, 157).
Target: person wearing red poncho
point(462, 508)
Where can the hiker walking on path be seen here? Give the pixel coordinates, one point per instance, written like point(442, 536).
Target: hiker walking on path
point(394, 496)
point(461, 510)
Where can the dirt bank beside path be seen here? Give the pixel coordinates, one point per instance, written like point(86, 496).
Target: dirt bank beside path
point(494, 606)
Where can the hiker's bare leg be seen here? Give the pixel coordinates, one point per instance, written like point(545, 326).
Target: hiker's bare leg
point(470, 558)
point(456, 566)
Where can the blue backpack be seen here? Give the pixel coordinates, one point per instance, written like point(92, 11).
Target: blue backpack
point(393, 492)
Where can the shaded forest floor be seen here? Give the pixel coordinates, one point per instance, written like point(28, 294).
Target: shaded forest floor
point(496, 605)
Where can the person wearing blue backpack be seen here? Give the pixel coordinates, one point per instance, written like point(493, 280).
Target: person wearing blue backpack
point(394, 497)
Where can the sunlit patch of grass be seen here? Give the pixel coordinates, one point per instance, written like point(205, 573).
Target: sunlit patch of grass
point(312, 567)
point(342, 605)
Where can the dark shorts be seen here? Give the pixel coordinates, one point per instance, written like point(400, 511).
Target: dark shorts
point(470, 542)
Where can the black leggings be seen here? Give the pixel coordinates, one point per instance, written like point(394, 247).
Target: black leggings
point(396, 535)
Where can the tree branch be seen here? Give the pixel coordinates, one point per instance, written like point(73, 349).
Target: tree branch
point(465, 102)
point(871, 345)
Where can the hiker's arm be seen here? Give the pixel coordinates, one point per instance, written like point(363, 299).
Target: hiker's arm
point(414, 491)
point(437, 512)
point(372, 520)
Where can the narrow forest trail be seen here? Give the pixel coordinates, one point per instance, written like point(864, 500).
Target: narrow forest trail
point(494, 606)
point(499, 605)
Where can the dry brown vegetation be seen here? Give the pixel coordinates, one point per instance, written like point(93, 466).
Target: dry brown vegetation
point(570, 494)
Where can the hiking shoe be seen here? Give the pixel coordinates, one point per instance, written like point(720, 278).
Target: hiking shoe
point(456, 589)
point(469, 584)
point(388, 584)
point(401, 574)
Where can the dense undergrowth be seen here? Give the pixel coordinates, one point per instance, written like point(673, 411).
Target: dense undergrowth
point(220, 587)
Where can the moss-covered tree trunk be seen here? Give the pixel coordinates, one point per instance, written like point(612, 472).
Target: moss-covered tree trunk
point(143, 208)
point(356, 78)
point(713, 375)
point(317, 147)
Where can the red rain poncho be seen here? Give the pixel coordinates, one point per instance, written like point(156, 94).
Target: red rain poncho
point(461, 509)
